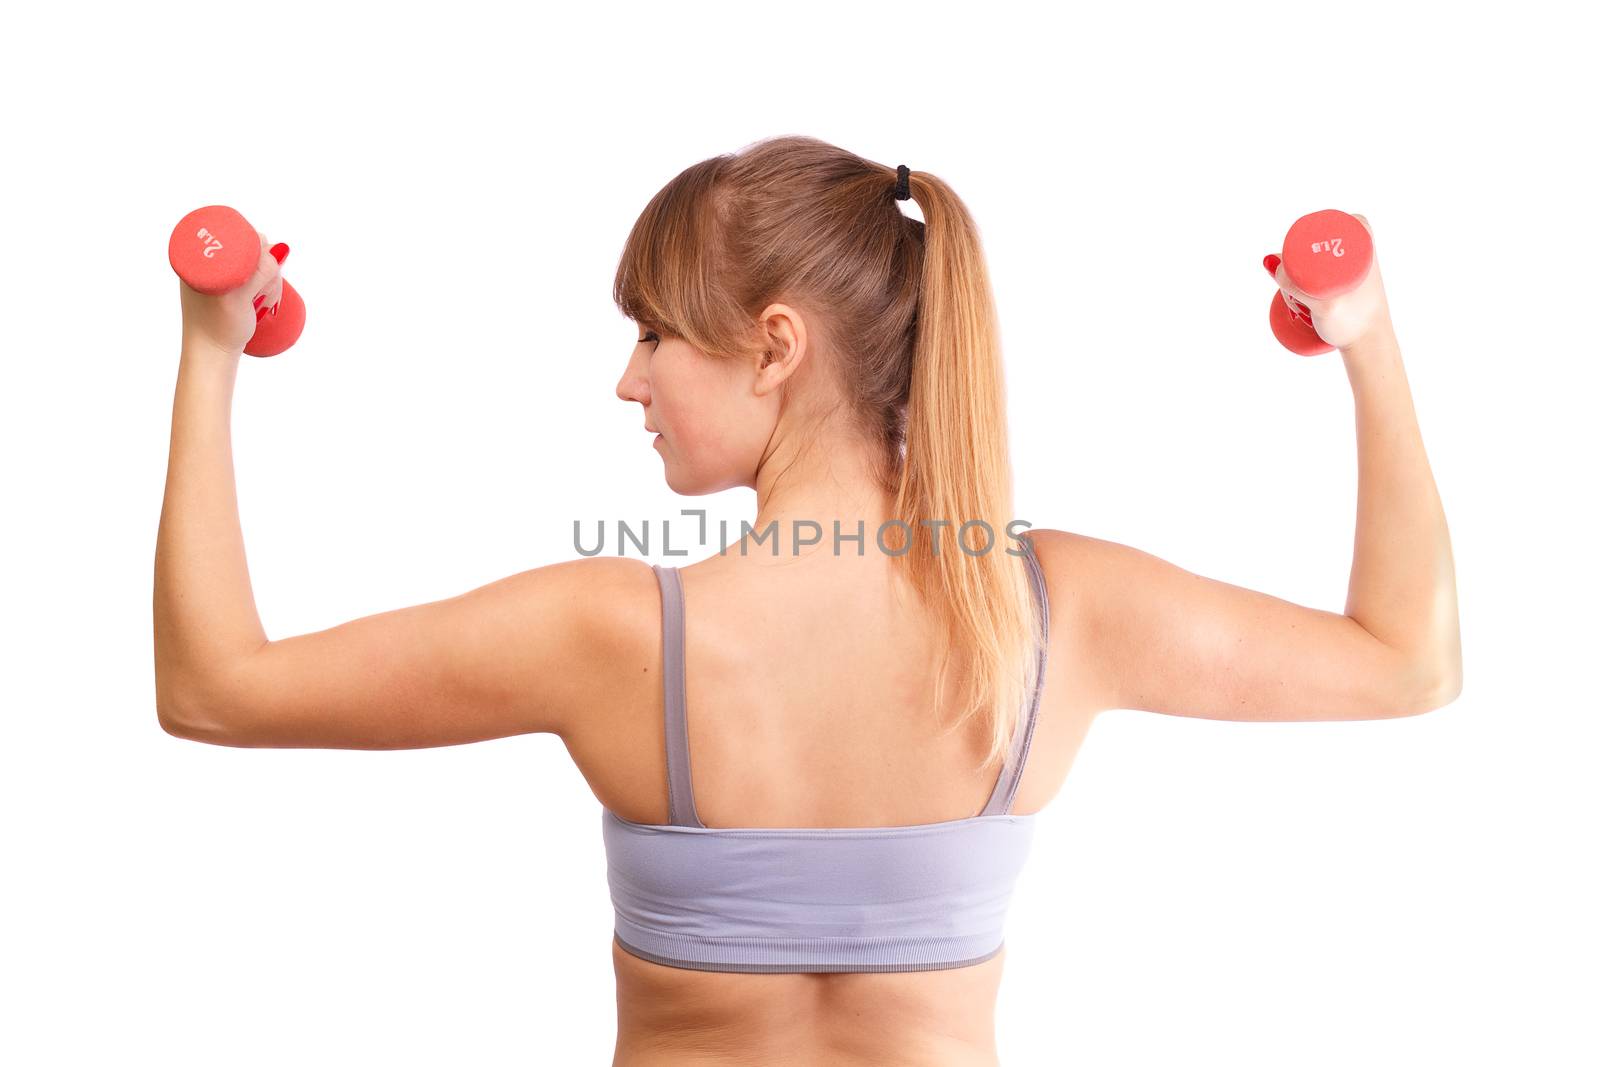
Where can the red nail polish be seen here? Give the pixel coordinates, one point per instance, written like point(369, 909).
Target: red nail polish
point(279, 252)
point(1271, 263)
point(258, 301)
point(261, 313)
point(274, 309)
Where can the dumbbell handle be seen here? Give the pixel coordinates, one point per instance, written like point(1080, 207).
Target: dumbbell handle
point(1325, 254)
point(214, 249)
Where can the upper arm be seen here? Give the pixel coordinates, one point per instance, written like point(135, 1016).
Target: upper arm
point(524, 654)
point(1160, 638)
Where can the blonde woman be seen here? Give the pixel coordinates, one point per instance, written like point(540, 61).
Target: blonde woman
point(819, 753)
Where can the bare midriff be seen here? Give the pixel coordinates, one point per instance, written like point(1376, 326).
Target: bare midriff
point(673, 1017)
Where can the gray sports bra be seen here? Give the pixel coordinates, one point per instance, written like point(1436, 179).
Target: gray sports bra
point(894, 898)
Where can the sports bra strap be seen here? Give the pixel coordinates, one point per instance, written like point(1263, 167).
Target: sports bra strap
point(1005, 789)
point(680, 783)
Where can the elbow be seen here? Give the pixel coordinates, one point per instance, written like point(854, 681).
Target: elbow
point(178, 717)
point(172, 703)
point(168, 717)
point(184, 716)
point(1430, 689)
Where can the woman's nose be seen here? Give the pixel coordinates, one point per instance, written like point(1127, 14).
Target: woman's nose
point(633, 386)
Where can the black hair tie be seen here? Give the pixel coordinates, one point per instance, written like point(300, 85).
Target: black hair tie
point(902, 182)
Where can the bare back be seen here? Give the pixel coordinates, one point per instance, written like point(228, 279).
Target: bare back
point(801, 675)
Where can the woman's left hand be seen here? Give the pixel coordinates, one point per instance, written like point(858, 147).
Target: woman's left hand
point(226, 322)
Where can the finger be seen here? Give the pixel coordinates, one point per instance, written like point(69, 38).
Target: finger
point(1310, 303)
point(1301, 306)
point(279, 252)
point(272, 267)
point(266, 278)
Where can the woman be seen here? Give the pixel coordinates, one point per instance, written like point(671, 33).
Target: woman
point(880, 682)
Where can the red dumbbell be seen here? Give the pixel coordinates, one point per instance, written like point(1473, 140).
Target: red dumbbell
point(214, 250)
point(1325, 254)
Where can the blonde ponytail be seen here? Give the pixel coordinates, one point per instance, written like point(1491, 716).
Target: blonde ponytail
point(957, 467)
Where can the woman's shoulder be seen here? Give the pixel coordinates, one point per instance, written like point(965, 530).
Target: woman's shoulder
point(1083, 574)
point(1063, 553)
point(601, 618)
point(1057, 552)
point(612, 600)
point(590, 614)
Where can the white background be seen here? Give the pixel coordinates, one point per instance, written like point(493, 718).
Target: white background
point(455, 182)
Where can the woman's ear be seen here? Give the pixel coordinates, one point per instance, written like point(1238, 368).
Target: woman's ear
point(776, 366)
point(786, 341)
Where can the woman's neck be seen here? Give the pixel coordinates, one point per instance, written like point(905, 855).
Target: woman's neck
point(802, 497)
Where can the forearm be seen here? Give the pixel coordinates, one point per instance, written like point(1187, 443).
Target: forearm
point(205, 612)
point(1402, 576)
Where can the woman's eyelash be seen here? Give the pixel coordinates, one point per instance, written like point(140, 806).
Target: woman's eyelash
point(650, 335)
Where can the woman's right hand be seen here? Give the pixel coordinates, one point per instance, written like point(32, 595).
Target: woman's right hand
point(1344, 320)
point(227, 321)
